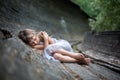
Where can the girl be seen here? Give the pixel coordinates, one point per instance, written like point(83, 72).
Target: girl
point(55, 50)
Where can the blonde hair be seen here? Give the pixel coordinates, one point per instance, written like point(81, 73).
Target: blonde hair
point(26, 34)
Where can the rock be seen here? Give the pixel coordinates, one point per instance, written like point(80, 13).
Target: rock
point(103, 48)
point(18, 61)
point(105, 42)
point(54, 18)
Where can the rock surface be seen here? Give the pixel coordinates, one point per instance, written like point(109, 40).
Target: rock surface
point(18, 61)
point(59, 18)
point(103, 47)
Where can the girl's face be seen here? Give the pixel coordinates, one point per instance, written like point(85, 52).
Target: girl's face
point(34, 40)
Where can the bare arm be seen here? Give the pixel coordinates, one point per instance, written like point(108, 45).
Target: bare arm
point(39, 47)
point(50, 40)
point(46, 43)
point(46, 39)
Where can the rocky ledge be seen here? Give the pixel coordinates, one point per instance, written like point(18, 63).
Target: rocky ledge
point(18, 61)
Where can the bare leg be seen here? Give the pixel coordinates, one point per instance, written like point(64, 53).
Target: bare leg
point(64, 58)
point(76, 56)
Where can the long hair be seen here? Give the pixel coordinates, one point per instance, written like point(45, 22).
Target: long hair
point(26, 34)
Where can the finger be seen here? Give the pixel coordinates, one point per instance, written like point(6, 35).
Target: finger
point(42, 32)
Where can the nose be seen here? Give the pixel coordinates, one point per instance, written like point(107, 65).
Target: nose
point(35, 42)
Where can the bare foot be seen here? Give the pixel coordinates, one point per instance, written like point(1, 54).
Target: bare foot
point(79, 56)
point(82, 59)
point(88, 60)
point(85, 61)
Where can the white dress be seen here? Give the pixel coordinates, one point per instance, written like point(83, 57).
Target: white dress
point(58, 44)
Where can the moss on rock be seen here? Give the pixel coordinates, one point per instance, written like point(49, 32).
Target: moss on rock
point(105, 13)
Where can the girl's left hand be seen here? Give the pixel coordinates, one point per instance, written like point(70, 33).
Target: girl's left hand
point(44, 35)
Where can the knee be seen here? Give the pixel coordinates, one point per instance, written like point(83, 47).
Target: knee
point(57, 56)
point(58, 50)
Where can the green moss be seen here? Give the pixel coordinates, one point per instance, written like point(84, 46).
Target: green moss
point(109, 17)
point(107, 13)
point(91, 7)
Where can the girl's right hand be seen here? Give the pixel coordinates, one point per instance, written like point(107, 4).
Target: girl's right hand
point(38, 47)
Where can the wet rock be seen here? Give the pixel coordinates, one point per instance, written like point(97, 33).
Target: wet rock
point(103, 48)
point(18, 61)
point(47, 15)
point(5, 34)
point(104, 42)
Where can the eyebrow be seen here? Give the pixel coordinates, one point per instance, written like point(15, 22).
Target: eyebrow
point(30, 36)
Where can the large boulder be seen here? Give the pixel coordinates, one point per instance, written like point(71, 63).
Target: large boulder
point(103, 47)
point(18, 61)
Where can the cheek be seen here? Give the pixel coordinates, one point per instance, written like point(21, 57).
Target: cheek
point(31, 44)
point(38, 40)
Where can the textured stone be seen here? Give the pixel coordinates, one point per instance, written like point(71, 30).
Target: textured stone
point(105, 42)
point(103, 48)
point(18, 61)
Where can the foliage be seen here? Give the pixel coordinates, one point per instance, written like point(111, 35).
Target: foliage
point(108, 14)
point(108, 18)
point(91, 7)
